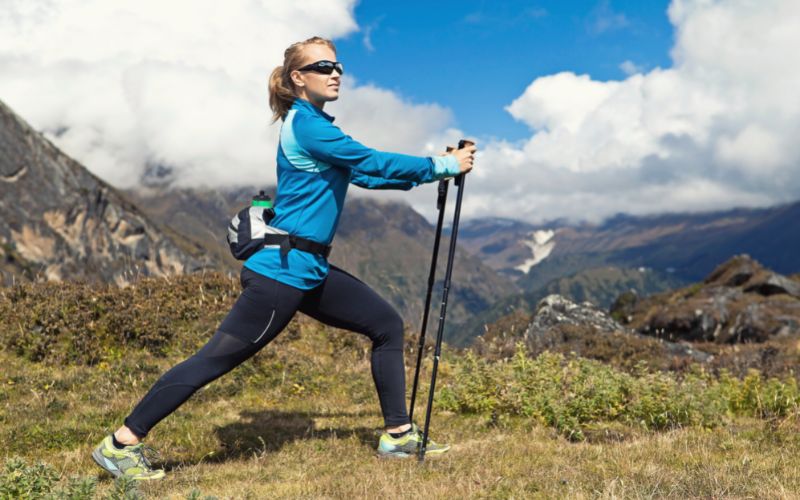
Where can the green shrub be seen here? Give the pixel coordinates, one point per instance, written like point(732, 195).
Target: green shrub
point(569, 392)
point(20, 480)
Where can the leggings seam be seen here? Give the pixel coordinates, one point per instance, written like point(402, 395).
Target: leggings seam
point(265, 328)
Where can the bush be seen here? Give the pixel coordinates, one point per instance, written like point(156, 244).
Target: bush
point(20, 480)
point(77, 323)
point(569, 392)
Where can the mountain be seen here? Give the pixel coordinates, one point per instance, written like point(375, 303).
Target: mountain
point(688, 246)
point(386, 244)
point(58, 221)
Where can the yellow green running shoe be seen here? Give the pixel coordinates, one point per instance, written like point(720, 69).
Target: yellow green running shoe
point(408, 445)
point(129, 461)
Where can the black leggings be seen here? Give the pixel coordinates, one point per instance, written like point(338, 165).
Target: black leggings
point(263, 309)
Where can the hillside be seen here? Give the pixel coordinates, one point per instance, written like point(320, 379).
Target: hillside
point(300, 418)
point(58, 221)
point(386, 244)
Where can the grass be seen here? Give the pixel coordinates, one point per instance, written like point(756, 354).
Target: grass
point(301, 420)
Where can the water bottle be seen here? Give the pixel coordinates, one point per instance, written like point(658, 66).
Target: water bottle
point(264, 201)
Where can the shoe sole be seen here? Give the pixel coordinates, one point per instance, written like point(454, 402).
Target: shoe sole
point(401, 455)
point(393, 456)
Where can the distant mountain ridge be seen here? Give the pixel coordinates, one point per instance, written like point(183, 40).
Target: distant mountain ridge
point(58, 221)
point(687, 245)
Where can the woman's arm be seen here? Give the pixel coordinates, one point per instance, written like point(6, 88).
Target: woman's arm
point(325, 141)
point(370, 182)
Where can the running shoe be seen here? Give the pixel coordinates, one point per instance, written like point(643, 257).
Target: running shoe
point(407, 445)
point(129, 461)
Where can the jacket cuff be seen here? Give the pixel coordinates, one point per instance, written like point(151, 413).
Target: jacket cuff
point(445, 166)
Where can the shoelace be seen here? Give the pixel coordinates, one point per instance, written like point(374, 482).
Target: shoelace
point(139, 450)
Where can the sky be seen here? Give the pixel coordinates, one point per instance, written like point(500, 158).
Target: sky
point(581, 109)
point(458, 50)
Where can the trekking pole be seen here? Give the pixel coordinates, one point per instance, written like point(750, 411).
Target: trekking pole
point(448, 274)
point(440, 203)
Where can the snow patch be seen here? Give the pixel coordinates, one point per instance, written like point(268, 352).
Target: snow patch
point(541, 244)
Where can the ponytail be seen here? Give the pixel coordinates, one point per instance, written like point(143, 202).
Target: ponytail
point(281, 88)
point(281, 93)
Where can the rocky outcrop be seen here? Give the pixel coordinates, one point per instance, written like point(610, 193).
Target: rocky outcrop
point(560, 325)
point(58, 221)
point(555, 310)
point(740, 301)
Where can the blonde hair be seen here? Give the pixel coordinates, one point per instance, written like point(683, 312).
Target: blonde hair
point(281, 89)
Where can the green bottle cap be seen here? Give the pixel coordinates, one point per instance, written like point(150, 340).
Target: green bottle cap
point(262, 200)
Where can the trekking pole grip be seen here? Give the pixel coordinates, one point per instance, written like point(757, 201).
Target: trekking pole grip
point(463, 143)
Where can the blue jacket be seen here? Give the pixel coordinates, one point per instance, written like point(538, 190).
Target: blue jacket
point(316, 163)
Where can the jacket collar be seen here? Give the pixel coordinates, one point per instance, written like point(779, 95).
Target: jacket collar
point(302, 103)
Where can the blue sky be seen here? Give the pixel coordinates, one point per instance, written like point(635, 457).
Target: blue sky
point(715, 128)
point(476, 57)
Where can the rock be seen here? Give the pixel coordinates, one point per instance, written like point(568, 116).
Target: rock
point(561, 325)
point(740, 301)
point(555, 309)
point(774, 284)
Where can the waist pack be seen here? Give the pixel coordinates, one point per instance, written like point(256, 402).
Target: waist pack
point(249, 231)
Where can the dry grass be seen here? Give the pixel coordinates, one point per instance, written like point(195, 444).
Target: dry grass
point(301, 420)
point(241, 438)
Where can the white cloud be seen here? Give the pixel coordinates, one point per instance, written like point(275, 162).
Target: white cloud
point(125, 86)
point(715, 130)
point(128, 87)
point(182, 84)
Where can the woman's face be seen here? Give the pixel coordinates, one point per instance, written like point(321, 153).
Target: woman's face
point(317, 88)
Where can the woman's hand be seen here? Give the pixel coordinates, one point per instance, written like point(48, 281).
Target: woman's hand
point(465, 157)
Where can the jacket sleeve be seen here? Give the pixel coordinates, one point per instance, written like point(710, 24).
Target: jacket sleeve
point(324, 141)
point(370, 182)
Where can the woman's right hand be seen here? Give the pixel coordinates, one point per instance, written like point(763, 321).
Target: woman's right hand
point(465, 157)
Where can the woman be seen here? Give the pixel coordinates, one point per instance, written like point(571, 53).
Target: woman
point(316, 162)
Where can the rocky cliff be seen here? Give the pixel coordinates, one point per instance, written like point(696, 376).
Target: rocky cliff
point(59, 221)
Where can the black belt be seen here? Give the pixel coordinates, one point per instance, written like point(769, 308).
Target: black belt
point(289, 241)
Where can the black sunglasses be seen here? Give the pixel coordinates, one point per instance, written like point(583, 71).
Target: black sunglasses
point(324, 67)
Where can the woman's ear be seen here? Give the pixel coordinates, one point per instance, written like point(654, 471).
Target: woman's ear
point(296, 79)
